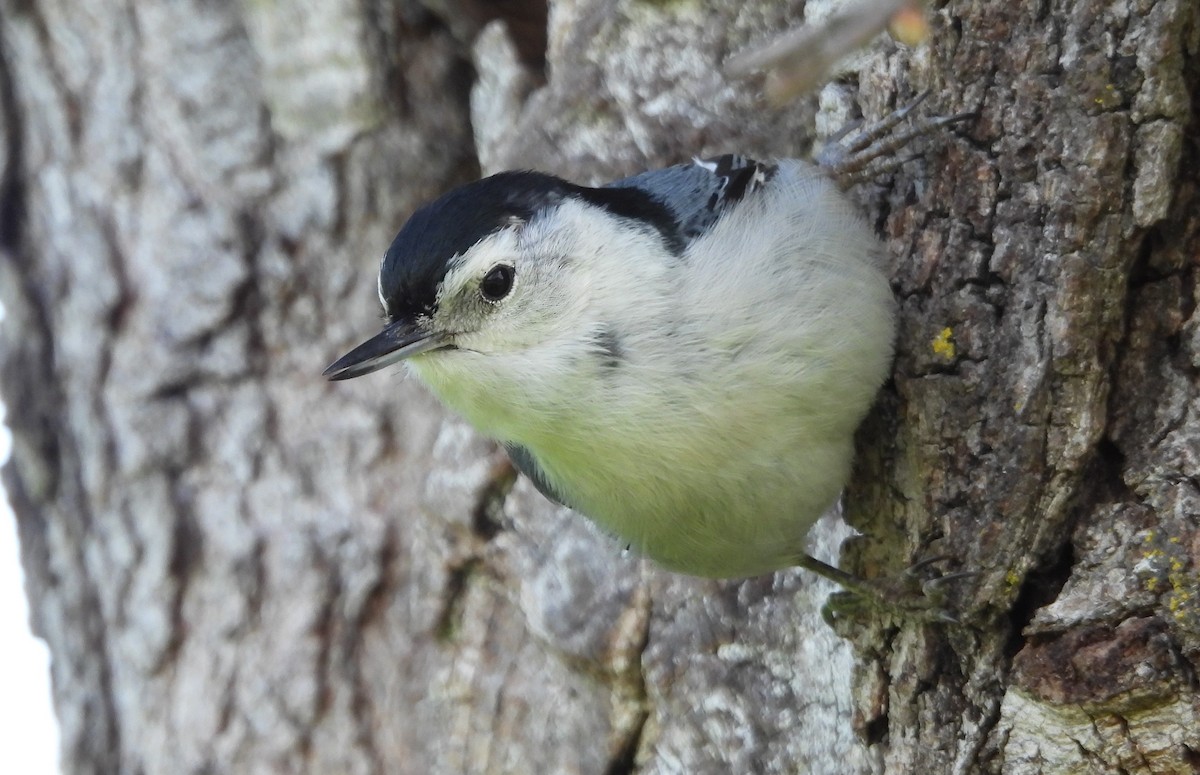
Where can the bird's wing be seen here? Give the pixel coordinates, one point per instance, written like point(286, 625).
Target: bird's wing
point(527, 464)
point(697, 192)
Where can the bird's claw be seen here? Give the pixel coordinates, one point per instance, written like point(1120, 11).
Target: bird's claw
point(862, 157)
point(909, 595)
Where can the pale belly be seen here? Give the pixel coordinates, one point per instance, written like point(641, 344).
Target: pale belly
point(721, 515)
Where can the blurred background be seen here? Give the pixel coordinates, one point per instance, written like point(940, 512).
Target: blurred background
point(28, 730)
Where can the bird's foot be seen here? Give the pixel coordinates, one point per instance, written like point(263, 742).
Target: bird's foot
point(871, 151)
point(919, 593)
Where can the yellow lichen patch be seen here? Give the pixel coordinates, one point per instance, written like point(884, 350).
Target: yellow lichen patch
point(1109, 97)
point(1180, 603)
point(943, 344)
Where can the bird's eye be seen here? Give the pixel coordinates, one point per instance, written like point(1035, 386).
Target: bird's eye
point(497, 282)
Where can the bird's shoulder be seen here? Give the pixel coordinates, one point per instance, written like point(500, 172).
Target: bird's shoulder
point(697, 192)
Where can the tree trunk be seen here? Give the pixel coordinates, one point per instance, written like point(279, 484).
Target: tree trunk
point(241, 568)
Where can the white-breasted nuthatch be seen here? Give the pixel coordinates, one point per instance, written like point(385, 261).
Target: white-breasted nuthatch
point(683, 355)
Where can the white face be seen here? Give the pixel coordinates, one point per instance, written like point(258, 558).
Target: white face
point(515, 289)
point(515, 307)
point(531, 312)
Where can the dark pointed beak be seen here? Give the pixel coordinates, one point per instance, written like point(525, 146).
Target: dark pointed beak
point(399, 340)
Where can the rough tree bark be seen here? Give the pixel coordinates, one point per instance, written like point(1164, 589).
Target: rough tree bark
point(240, 568)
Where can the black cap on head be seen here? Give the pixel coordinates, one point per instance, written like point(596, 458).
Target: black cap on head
point(418, 258)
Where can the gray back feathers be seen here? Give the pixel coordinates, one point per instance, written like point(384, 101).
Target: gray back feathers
point(698, 192)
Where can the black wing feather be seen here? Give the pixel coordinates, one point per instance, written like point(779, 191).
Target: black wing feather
point(527, 464)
